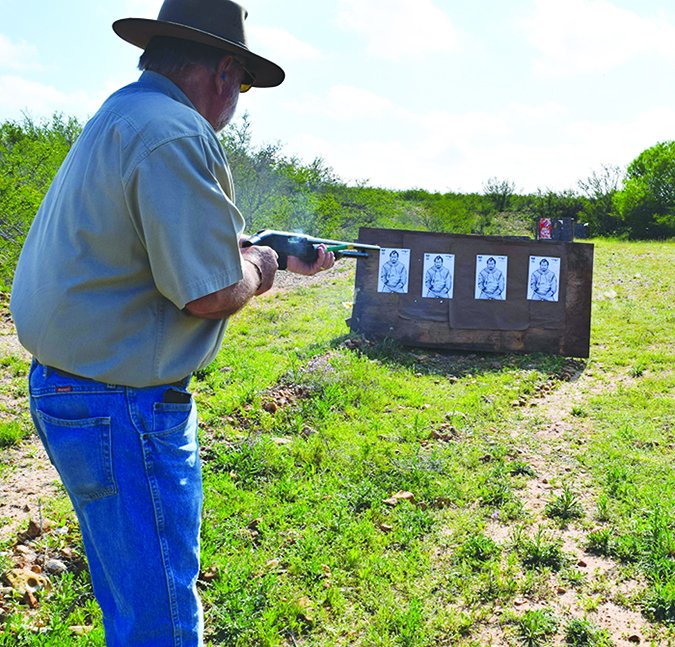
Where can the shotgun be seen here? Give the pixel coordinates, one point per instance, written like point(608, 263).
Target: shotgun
point(286, 243)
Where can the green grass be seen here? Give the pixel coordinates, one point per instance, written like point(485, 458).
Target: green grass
point(540, 551)
point(583, 633)
point(11, 432)
point(310, 438)
point(565, 506)
point(15, 422)
point(535, 627)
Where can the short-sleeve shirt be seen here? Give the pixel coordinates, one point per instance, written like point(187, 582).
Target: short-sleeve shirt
point(139, 220)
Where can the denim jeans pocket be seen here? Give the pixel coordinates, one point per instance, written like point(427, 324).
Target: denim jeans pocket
point(170, 416)
point(81, 451)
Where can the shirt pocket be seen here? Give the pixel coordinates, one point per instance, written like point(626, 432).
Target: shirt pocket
point(81, 451)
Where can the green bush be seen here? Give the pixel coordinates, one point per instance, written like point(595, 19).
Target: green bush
point(30, 155)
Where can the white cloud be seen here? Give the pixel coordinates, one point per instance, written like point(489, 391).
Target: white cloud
point(550, 111)
point(343, 103)
point(379, 162)
point(441, 129)
point(591, 36)
point(460, 151)
point(396, 30)
point(558, 154)
point(368, 110)
point(279, 44)
point(18, 56)
point(456, 150)
point(18, 95)
point(620, 141)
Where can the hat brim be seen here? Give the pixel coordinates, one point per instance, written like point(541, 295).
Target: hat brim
point(139, 31)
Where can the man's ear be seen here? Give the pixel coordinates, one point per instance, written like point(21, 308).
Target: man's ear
point(223, 72)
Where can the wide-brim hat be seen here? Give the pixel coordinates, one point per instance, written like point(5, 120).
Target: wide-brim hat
point(219, 23)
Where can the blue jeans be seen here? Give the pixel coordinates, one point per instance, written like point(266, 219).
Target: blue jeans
point(129, 461)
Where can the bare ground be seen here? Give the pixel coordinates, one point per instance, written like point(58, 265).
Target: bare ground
point(27, 478)
point(606, 600)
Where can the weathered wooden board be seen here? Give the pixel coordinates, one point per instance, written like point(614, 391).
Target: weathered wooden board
point(463, 321)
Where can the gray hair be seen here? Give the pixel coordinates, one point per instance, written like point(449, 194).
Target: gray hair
point(168, 55)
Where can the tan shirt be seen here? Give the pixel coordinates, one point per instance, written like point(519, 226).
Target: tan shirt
point(139, 221)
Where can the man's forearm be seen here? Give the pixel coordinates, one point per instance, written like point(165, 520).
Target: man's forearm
point(224, 303)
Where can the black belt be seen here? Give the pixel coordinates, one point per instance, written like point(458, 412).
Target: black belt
point(178, 383)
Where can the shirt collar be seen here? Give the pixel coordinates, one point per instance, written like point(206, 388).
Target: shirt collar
point(150, 79)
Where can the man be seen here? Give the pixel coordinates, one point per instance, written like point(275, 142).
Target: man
point(491, 281)
point(543, 282)
point(393, 274)
point(438, 280)
point(123, 289)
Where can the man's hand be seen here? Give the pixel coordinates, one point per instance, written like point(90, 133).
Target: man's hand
point(324, 261)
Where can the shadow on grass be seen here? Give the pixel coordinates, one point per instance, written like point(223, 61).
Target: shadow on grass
point(461, 364)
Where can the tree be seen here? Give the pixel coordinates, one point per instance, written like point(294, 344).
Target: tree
point(646, 204)
point(552, 204)
point(274, 191)
point(499, 192)
point(443, 212)
point(599, 190)
point(257, 179)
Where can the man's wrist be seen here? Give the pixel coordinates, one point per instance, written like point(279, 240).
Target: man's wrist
point(258, 272)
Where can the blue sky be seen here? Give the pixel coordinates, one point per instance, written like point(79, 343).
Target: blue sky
point(435, 94)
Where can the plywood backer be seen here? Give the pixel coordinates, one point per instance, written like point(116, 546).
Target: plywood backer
point(502, 297)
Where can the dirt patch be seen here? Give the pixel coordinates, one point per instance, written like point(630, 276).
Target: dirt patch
point(547, 448)
point(28, 478)
point(9, 345)
point(31, 480)
point(290, 281)
point(283, 395)
point(9, 342)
